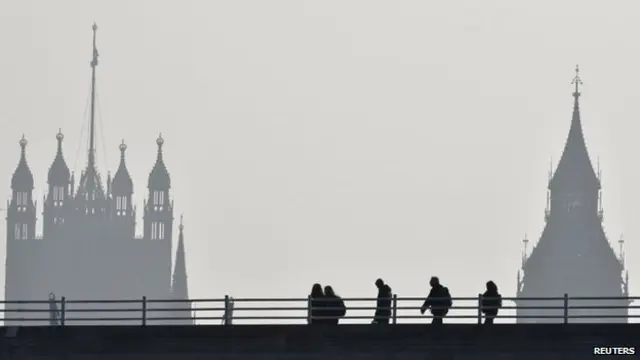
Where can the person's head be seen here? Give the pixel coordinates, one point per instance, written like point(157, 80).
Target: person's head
point(379, 283)
point(492, 287)
point(316, 290)
point(434, 281)
point(328, 291)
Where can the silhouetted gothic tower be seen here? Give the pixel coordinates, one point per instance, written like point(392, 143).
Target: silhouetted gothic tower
point(573, 255)
point(88, 250)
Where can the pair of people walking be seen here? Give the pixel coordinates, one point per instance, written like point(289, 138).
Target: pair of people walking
point(439, 301)
point(326, 307)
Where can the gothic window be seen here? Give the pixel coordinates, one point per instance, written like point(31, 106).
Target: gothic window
point(21, 201)
point(58, 195)
point(24, 232)
point(154, 229)
point(157, 230)
point(121, 205)
point(16, 231)
point(158, 200)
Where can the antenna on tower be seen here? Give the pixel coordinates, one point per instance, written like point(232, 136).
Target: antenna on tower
point(525, 241)
point(621, 242)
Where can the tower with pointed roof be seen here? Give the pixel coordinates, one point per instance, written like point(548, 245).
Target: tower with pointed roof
point(179, 287)
point(88, 249)
point(21, 223)
point(56, 203)
point(573, 255)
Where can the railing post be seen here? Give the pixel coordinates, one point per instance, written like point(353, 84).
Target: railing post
point(63, 310)
point(226, 309)
point(479, 308)
point(144, 311)
point(309, 309)
point(395, 309)
point(566, 308)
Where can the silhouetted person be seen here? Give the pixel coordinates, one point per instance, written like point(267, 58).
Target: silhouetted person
point(335, 308)
point(439, 301)
point(491, 302)
point(317, 304)
point(383, 306)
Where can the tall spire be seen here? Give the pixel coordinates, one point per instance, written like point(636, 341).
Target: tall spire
point(94, 64)
point(179, 286)
point(90, 187)
point(574, 170)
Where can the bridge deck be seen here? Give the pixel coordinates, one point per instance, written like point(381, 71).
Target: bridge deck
point(561, 341)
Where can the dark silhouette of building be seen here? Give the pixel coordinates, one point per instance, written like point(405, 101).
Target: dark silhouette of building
point(573, 255)
point(88, 249)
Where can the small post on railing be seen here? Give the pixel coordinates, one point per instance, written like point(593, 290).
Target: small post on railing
point(309, 309)
point(144, 311)
point(395, 309)
point(63, 308)
point(566, 308)
point(479, 308)
point(227, 309)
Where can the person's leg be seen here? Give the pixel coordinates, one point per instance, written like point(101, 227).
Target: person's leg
point(437, 319)
point(488, 319)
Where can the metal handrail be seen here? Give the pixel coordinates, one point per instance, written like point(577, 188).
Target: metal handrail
point(146, 312)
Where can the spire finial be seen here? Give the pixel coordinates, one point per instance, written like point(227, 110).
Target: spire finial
point(160, 142)
point(181, 225)
point(23, 143)
point(94, 63)
point(577, 81)
point(122, 147)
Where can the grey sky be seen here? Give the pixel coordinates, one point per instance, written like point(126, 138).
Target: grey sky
point(335, 141)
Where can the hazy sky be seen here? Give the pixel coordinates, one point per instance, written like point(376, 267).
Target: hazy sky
point(335, 141)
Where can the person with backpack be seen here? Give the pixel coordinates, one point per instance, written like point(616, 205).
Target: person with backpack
point(334, 307)
point(491, 302)
point(438, 301)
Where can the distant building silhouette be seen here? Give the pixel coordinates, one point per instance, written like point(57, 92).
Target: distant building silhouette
point(573, 254)
point(88, 249)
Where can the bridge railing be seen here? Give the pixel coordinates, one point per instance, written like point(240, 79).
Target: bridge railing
point(229, 310)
